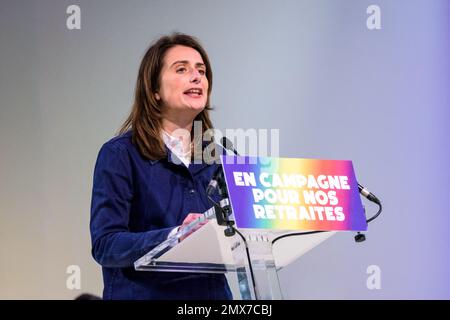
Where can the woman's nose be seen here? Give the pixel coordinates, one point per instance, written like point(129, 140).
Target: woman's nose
point(195, 76)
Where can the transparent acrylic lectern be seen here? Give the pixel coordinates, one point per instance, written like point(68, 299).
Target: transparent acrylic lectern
point(207, 250)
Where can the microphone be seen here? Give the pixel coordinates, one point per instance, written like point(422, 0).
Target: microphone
point(368, 195)
point(360, 237)
point(228, 145)
point(218, 180)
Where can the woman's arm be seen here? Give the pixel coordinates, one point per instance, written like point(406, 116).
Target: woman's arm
point(113, 245)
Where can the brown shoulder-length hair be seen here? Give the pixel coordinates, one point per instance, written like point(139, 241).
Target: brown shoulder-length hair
point(145, 118)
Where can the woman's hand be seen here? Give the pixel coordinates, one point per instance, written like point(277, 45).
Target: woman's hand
point(191, 217)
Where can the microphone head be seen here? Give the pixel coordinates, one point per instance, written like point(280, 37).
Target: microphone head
point(228, 145)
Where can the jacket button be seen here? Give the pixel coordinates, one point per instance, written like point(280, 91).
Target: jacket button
point(192, 191)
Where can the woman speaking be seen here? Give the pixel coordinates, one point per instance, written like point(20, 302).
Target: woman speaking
point(146, 185)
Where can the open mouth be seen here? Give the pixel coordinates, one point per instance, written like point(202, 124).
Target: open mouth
point(194, 92)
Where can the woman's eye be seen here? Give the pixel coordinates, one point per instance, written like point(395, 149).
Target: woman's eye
point(202, 72)
point(181, 70)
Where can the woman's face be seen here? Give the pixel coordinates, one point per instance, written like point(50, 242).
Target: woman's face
point(183, 82)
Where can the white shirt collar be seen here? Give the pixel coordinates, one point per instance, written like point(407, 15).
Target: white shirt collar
point(175, 145)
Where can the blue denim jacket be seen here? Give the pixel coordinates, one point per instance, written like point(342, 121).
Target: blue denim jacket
point(135, 204)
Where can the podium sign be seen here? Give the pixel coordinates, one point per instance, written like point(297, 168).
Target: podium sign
point(293, 194)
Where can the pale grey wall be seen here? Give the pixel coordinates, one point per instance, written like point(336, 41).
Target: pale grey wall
point(310, 68)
